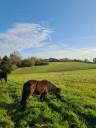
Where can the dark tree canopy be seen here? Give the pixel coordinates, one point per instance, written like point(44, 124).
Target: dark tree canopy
point(5, 65)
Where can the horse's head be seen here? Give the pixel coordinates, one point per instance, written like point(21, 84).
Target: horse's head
point(58, 92)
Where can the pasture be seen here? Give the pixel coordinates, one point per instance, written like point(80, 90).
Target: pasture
point(76, 110)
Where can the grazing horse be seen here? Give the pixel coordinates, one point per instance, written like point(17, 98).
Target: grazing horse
point(40, 88)
point(3, 75)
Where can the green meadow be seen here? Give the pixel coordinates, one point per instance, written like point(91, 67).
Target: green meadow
point(77, 108)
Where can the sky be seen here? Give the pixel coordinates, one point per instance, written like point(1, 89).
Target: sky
point(48, 28)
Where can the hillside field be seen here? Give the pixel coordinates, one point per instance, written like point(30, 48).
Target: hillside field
point(76, 110)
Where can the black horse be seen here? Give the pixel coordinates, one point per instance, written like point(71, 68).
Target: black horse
point(3, 75)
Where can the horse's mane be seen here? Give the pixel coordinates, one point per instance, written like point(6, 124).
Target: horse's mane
point(51, 87)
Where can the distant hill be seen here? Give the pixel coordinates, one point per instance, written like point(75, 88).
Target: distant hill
point(56, 67)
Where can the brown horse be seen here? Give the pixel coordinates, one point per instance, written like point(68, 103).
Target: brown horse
point(40, 88)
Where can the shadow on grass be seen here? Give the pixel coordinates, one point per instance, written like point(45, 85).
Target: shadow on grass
point(89, 118)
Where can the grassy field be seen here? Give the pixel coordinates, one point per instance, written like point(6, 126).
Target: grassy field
point(76, 110)
point(56, 67)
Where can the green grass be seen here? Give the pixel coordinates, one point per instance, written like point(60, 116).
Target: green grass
point(76, 110)
point(56, 67)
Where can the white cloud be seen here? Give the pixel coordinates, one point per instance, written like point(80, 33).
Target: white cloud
point(27, 35)
point(57, 52)
point(23, 36)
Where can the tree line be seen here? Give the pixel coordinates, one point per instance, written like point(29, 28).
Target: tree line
point(71, 60)
point(15, 61)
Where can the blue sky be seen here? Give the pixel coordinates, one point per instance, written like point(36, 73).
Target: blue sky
point(48, 28)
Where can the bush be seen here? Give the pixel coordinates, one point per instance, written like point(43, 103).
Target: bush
point(25, 63)
point(32, 61)
point(40, 62)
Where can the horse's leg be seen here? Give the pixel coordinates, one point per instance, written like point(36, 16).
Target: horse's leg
point(43, 96)
point(24, 100)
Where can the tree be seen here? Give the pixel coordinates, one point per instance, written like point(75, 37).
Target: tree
point(15, 59)
point(0, 59)
point(86, 60)
point(5, 64)
point(94, 60)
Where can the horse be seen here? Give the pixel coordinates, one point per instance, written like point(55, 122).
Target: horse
point(40, 88)
point(3, 75)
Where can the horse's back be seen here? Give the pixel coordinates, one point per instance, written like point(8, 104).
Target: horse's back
point(42, 86)
point(36, 86)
